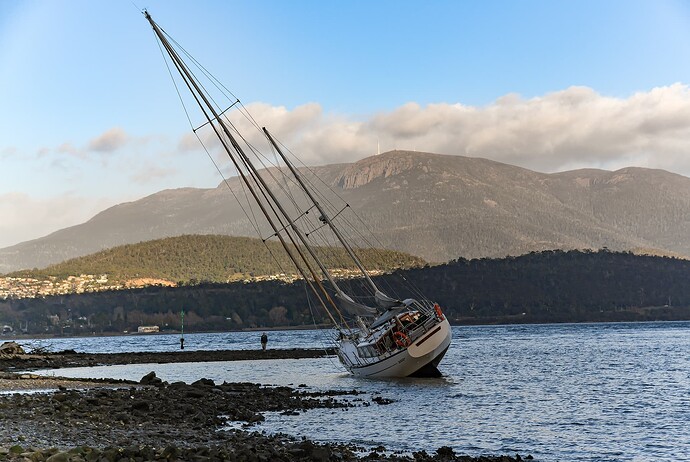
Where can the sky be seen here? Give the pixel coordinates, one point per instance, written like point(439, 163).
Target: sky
point(89, 116)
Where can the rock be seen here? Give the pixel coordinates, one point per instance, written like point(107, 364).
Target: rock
point(256, 418)
point(59, 457)
point(150, 379)
point(140, 406)
point(204, 383)
point(381, 400)
point(11, 348)
point(446, 453)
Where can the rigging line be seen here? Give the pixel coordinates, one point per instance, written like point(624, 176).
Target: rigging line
point(205, 108)
point(227, 184)
point(263, 188)
point(259, 155)
point(179, 95)
point(265, 191)
point(409, 284)
point(284, 176)
point(201, 68)
point(354, 231)
point(226, 110)
point(184, 107)
point(217, 83)
point(289, 223)
point(252, 219)
point(255, 223)
point(332, 218)
point(335, 231)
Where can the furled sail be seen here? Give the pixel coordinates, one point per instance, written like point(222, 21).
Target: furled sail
point(384, 301)
point(352, 307)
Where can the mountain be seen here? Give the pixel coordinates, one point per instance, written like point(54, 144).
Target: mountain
point(435, 206)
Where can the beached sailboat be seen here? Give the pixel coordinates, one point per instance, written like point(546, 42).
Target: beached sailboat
point(378, 333)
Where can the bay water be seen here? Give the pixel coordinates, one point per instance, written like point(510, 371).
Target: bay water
point(564, 392)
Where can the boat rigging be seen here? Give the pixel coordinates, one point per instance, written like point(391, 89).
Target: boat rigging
point(378, 335)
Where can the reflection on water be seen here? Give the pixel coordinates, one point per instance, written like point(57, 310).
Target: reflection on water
point(590, 392)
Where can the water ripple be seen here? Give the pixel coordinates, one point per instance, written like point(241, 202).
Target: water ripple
point(576, 392)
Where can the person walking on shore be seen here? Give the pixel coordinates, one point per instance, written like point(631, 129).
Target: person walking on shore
point(264, 341)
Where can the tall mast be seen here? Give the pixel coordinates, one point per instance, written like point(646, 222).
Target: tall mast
point(324, 216)
point(207, 107)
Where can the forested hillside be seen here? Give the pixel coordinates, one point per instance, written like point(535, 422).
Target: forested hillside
point(204, 258)
point(552, 286)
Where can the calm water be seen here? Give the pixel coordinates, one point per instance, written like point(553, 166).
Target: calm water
point(587, 392)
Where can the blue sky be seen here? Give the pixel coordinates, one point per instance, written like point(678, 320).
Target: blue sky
point(90, 118)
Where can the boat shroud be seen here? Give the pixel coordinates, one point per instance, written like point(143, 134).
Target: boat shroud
point(377, 335)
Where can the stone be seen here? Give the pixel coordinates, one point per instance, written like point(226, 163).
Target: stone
point(150, 379)
point(59, 457)
point(11, 348)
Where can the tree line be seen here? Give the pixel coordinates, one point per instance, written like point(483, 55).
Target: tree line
point(549, 286)
point(190, 259)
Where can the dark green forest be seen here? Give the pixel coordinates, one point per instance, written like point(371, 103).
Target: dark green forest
point(551, 286)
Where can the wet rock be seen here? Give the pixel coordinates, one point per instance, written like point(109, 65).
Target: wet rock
point(59, 457)
point(176, 422)
point(11, 348)
point(381, 400)
point(204, 383)
point(140, 406)
point(445, 453)
point(150, 379)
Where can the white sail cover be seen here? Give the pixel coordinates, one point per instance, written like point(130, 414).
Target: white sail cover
point(352, 307)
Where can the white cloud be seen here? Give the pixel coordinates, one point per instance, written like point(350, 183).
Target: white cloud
point(109, 141)
point(564, 130)
point(572, 128)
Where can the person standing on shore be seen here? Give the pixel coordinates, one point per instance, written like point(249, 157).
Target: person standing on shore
point(264, 341)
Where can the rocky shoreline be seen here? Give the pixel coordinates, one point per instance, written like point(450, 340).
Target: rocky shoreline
point(103, 420)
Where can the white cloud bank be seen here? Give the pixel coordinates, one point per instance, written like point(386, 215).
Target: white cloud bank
point(572, 128)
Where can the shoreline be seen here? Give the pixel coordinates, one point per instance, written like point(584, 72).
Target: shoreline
point(515, 320)
point(70, 358)
point(108, 420)
point(156, 420)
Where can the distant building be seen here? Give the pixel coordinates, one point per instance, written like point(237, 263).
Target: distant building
point(148, 329)
point(7, 329)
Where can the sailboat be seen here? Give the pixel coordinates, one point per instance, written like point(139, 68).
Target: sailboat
point(378, 333)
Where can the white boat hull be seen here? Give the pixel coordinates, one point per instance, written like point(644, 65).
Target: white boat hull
point(425, 352)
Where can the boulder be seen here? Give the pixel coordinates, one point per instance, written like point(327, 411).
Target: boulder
point(150, 379)
point(11, 348)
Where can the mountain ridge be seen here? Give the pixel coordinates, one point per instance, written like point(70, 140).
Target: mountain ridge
point(438, 207)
